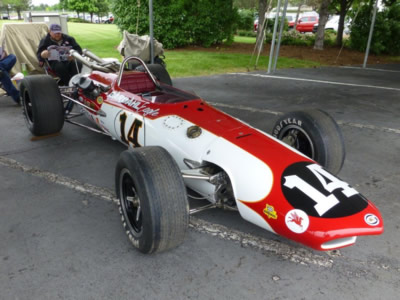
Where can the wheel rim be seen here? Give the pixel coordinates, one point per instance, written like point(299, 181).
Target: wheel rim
point(297, 138)
point(130, 203)
point(28, 108)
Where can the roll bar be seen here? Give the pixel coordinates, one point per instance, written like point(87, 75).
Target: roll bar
point(144, 66)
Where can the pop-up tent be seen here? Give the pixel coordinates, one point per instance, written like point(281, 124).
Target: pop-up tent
point(22, 39)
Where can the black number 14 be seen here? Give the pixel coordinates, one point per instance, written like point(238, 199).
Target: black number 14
point(133, 133)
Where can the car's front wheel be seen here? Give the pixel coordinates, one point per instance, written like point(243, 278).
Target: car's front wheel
point(315, 134)
point(152, 199)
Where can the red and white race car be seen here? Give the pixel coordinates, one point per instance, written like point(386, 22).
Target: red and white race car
point(179, 145)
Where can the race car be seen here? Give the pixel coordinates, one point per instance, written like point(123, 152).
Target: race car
point(180, 146)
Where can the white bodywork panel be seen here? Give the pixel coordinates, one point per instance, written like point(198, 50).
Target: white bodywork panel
point(243, 168)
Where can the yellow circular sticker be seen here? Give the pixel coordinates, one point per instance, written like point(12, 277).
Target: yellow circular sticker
point(99, 100)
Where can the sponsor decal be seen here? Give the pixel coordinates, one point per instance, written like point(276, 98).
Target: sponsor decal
point(139, 106)
point(371, 219)
point(270, 212)
point(283, 123)
point(312, 189)
point(99, 100)
point(297, 221)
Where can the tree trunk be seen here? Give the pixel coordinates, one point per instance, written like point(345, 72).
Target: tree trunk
point(344, 7)
point(323, 18)
point(297, 15)
point(262, 8)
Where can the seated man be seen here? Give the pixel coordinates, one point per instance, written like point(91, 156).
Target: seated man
point(64, 67)
point(6, 64)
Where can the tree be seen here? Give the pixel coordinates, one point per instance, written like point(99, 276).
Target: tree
point(262, 8)
point(64, 4)
point(80, 6)
point(323, 18)
point(92, 7)
point(103, 7)
point(19, 6)
point(388, 3)
point(386, 30)
point(341, 7)
point(301, 2)
point(245, 3)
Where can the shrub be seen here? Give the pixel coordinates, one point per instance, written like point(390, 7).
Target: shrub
point(250, 33)
point(271, 23)
point(294, 38)
point(77, 20)
point(180, 22)
point(245, 19)
point(386, 31)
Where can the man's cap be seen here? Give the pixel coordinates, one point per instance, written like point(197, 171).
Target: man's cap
point(55, 28)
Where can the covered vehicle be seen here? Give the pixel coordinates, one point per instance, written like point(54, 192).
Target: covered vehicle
point(22, 39)
point(180, 146)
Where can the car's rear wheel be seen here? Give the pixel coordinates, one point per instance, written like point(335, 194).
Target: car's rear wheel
point(42, 105)
point(152, 199)
point(315, 134)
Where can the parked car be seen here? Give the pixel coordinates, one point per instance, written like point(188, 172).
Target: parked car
point(290, 17)
point(302, 15)
point(333, 24)
point(306, 23)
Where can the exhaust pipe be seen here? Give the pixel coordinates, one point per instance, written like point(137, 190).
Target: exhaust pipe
point(87, 63)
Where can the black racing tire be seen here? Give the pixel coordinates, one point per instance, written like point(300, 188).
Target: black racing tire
point(152, 199)
point(315, 134)
point(42, 105)
point(161, 73)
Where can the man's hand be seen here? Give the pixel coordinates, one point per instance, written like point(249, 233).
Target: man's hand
point(44, 54)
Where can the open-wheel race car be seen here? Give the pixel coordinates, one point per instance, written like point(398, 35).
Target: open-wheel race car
point(179, 145)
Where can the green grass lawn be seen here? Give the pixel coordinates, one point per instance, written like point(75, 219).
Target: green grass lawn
point(197, 63)
point(244, 39)
point(103, 39)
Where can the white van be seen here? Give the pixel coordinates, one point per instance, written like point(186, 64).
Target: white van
point(333, 24)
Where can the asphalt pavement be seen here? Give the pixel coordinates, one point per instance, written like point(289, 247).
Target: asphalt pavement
point(61, 235)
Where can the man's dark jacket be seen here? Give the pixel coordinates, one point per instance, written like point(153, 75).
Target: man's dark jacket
point(66, 41)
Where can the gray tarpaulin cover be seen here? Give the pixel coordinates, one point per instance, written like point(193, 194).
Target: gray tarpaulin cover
point(22, 39)
point(133, 44)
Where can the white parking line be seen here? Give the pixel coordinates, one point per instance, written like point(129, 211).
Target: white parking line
point(370, 69)
point(351, 124)
point(294, 254)
point(372, 127)
point(318, 81)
